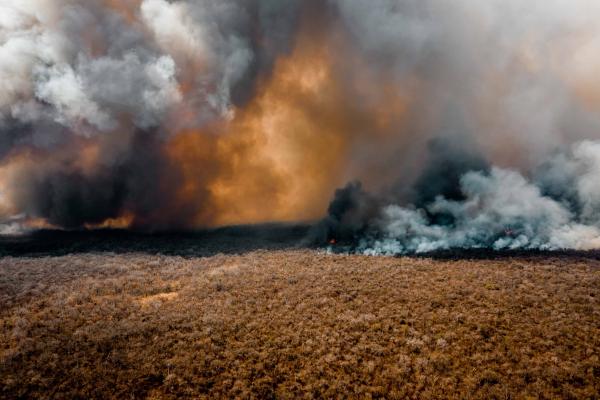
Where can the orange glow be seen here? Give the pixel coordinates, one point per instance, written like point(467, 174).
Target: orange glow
point(122, 222)
point(38, 223)
point(280, 155)
point(126, 8)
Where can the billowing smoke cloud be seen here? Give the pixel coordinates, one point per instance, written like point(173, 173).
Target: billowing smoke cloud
point(92, 92)
point(469, 124)
point(491, 92)
point(496, 208)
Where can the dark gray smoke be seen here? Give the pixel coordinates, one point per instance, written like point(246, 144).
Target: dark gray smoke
point(134, 183)
point(449, 159)
point(350, 215)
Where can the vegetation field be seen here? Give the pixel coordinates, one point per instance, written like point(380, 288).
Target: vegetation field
point(298, 323)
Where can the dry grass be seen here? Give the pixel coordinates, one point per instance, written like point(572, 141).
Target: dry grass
point(298, 324)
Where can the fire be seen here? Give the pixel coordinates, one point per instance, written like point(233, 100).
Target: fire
point(122, 222)
point(38, 223)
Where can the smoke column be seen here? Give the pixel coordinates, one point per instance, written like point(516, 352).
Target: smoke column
point(467, 123)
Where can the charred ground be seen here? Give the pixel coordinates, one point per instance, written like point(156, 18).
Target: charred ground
point(233, 240)
point(199, 243)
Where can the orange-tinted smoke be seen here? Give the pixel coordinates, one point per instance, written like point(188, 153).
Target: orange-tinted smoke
point(283, 154)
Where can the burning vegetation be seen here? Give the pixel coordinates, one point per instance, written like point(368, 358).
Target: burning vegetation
point(160, 115)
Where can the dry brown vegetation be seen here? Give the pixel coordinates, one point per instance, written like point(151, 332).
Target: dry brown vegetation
point(298, 324)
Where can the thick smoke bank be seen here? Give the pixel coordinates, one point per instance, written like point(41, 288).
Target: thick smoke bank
point(469, 123)
point(558, 208)
point(91, 92)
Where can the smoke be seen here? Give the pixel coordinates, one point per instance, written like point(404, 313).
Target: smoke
point(496, 208)
point(93, 93)
point(471, 124)
point(500, 124)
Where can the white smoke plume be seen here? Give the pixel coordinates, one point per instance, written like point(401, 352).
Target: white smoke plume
point(498, 209)
point(83, 61)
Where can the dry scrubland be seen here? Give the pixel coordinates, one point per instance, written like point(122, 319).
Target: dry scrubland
point(298, 324)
